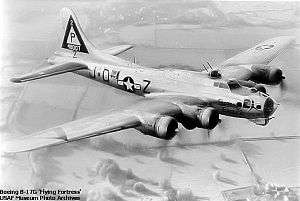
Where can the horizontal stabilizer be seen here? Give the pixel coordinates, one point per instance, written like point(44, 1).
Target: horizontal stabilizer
point(117, 49)
point(50, 71)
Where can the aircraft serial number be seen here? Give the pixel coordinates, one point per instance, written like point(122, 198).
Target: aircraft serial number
point(112, 77)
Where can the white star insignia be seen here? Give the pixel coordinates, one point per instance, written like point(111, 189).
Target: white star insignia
point(128, 85)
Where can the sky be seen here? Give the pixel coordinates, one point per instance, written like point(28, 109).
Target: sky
point(164, 33)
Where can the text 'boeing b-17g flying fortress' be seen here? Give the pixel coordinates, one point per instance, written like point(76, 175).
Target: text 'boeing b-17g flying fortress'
point(193, 99)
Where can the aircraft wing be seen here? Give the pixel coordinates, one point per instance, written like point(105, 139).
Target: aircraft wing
point(142, 113)
point(50, 71)
point(72, 131)
point(117, 49)
point(263, 53)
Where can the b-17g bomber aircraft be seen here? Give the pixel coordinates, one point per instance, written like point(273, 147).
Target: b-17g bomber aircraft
point(171, 97)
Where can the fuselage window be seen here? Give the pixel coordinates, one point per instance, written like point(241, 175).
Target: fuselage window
point(258, 107)
point(247, 103)
point(239, 104)
point(223, 85)
point(233, 85)
point(216, 84)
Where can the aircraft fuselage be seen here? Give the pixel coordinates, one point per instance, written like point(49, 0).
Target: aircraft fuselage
point(149, 82)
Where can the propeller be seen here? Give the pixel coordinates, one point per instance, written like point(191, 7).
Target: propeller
point(164, 153)
point(209, 65)
point(221, 126)
point(282, 85)
point(134, 60)
point(282, 89)
point(180, 138)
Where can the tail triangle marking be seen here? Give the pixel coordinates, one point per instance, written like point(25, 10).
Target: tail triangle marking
point(72, 39)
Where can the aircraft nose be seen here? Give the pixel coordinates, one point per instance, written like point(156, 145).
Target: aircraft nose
point(269, 107)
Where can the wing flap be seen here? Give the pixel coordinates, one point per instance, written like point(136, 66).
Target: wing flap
point(50, 71)
point(72, 131)
point(117, 49)
point(262, 53)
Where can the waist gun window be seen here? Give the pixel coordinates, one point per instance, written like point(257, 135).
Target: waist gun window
point(223, 85)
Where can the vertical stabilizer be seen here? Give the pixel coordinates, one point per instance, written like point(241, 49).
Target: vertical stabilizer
point(74, 39)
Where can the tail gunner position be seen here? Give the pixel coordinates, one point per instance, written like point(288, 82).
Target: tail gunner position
point(193, 99)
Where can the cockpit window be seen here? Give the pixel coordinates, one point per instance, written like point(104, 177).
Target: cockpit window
point(233, 84)
point(247, 103)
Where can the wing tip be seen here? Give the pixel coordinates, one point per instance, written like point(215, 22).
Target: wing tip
point(16, 80)
point(287, 39)
point(129, 46)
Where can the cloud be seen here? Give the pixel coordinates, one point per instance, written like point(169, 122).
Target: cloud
point(111, 15)
point(139, 187)
point(249, 148)
point(226, 159)
point(110, 195)
point(216, 167)
point(105, 194)
point(217, 176)
point(107, 170)
point(110, 145)
point(44, 168)
point(165, 156)
point(173, 194)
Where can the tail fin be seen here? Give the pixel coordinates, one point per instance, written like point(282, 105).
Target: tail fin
point(74, 38)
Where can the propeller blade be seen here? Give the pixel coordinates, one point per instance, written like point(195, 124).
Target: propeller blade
point(222, 124)
point(204, 67)
point(283, 88)
point(210, 132)
point(209, 65)
point(179, 139)
point(182, 138)
point(164, 148)
point(283, 85)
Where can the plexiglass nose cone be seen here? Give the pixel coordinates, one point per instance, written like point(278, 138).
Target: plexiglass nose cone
point(269, 107)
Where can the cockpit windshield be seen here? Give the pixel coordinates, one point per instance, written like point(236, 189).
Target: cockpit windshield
point(234, 87)
point(233, 84)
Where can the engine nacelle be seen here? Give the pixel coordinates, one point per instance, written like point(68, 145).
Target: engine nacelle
point(208, 118)
point(251, 84)
point(194, 117)
point(266, 74)
point(163, 127)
